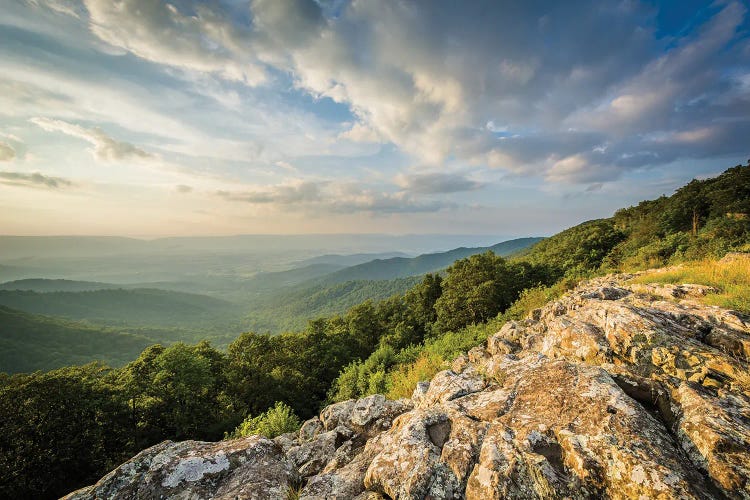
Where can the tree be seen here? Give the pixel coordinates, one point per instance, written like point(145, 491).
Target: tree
point(475, 290)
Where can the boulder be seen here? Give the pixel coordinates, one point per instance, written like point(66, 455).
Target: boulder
point(248, 468)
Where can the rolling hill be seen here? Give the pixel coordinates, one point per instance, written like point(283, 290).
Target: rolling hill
point(401, 267)
point(137, 307)
point(43, 285)
point(30, 342)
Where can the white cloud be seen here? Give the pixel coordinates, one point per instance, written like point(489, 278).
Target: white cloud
point(450, 84)
point(33, 180)
point(105, 148)
point(204, 41)
point(319, 197)
point(7, 153)
point(284, 194)
point(437, 183)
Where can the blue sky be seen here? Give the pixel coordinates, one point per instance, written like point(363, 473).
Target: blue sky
point(151, 118)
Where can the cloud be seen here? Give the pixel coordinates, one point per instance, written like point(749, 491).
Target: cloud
point(33, 180)
point(7, 153)
point(429, 77)
point(451, 85)
point(284, 194)
point(330, 197)
point(437, 183)
point(59, 6)
point(106, 148)
point(201, 39)
point(183, 189)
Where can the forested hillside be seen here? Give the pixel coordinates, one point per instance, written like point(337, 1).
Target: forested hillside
point(401, 267)
point(59, 285)
point(138, 307)
point(30, 342)
point(704, 218)
point(65, 428)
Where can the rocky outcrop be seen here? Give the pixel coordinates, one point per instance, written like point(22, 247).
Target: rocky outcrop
point(251, 468)
point(614, 391)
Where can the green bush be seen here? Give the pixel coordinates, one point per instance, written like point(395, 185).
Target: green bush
point(276, 421)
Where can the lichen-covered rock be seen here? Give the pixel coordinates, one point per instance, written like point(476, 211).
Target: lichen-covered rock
point(310, 429)
point(249, 468)
point(448, 385)
point(311, 456)
point(616, 390)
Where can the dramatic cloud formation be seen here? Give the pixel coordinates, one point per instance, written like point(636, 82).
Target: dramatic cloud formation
point(33, 180)
point(7, 153)
point(430, 76)
point(311, 107)
point(105, 147)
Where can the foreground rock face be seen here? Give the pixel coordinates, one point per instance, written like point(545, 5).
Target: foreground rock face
point(616, 390)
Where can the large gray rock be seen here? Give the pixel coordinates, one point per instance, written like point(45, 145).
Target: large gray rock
point(249, 468)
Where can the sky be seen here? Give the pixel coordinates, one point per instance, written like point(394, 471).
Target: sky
point(205, 117)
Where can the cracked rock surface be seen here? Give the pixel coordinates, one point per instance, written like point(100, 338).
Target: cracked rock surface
point(613, 391)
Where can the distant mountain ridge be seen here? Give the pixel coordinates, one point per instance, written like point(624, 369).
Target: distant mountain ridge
point(43, 285)
point(349, 259)
point(401, 267)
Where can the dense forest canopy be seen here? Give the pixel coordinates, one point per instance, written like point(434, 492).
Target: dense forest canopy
point(64, 428)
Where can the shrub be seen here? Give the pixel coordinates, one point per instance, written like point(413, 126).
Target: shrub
point(276, 421)
point(404, 379)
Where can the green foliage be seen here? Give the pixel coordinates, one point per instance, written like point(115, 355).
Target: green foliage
point(60, 430)
point(401, 267)
point(138, 307)
point(576, 250)
point(291, 309)
point(705, 218)
point(278, 420)
point(360, 378)
point(29, 342)
point(478, 288)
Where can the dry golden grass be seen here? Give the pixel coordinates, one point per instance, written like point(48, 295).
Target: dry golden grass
point(732, 279)
point(406, 377)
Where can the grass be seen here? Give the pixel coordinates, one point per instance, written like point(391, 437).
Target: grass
point(732, 279)
point(294, 492)
point(406, 376)
point(437, 353)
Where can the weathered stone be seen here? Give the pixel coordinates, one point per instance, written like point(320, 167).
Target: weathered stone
point(311, 456)
point(409, 465)
point(420, 391)
point(310, 429)
point(448, 385)
point(338, 413)
point(286, 441)
point(460, 363)
point(375, 413)
point(249, 468)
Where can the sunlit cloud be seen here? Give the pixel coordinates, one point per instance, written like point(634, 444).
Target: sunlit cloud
point(105, 148)
point(496, 103)
point(7, 153)
point(33, 180)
